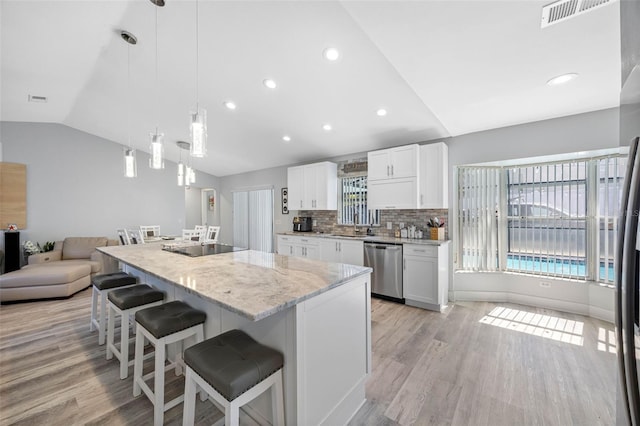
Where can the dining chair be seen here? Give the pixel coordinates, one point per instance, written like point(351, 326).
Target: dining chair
point(190, 235)
point(135, 236)
point(150, 231)
point(212, 234)
point(123, 236)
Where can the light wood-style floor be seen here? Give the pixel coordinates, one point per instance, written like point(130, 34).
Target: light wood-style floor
point(476, 364)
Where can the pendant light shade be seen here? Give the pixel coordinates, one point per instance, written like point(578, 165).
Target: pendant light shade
point(130, 168)
point(198, 133)
point(183, 178)
point(180, 173)
point(157, 151)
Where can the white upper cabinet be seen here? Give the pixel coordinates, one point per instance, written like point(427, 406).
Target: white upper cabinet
point(434, 176)
point(393, 178)
point(393, 163)
point(313, 186)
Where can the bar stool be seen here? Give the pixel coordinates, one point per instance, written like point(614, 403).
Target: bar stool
point(233, 369)
point(126, 302)
point(102, 284)
point(164, 324)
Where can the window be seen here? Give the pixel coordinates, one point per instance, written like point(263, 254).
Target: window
point(352, 202)
point(556, 219)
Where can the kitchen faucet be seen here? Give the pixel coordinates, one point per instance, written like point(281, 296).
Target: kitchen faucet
point(355, 224)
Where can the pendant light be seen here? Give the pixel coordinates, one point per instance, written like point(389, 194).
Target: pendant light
point(182, 180)
point(198, 118)
point(157, 139)
point(130, 163)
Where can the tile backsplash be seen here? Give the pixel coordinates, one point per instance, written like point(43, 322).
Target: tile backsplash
point(327, 221)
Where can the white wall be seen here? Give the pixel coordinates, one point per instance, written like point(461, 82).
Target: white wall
point(275, 178)
point(76, 187)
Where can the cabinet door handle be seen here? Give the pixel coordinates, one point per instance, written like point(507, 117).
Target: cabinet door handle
point(389, 207)
point(421, 199)
point(336, 246)
point(340, 247)
point(387, 170)
point(420, 251)
point(291, 250)
point(300, 203)
point(392, 170)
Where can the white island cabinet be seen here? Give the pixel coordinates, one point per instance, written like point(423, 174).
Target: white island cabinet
point(425, 275)
point(316, 313)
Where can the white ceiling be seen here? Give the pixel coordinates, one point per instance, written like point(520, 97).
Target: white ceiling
point(440, 68)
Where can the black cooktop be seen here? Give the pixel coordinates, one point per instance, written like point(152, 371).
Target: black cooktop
point(204, 250)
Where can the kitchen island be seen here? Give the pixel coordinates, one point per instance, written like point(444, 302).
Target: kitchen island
point(316, 313)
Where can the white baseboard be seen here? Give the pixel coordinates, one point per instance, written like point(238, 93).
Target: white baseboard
point(541, 302)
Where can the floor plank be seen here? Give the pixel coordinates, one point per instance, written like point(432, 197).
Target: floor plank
point(466, 366)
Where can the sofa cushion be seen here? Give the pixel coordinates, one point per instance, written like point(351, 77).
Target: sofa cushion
point(95, 265)
point(81, 247)
point(47, 274)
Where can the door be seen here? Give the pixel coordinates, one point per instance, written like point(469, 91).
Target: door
point(310, 187)
point(253, 219)
point(420, 279)
point(329, 250)
point(351, 252)
point(393, 194)
point(404, 161)
point(295, 182)
point(378, 165)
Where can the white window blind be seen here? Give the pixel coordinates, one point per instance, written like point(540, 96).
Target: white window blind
point(611, 172)
point(241, 219)
point(352, 203)
point(477, 218)
point(253, 219)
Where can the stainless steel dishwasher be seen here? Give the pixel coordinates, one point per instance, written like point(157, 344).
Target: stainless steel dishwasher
point(386, 261)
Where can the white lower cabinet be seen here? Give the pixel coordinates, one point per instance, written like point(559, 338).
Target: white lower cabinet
point(342, 251)
point(319, 248)
point(425, 275)
point(299, 246)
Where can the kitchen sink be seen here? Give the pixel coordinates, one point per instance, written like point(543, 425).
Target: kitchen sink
point(349, 236)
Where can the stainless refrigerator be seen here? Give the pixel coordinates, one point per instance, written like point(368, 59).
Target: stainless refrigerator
point(628, 294)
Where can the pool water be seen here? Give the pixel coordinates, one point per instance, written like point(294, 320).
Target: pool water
point(573, 268)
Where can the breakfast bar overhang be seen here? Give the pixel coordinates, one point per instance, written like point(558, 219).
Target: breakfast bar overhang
point(317, 314)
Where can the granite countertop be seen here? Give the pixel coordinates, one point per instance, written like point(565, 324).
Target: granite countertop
point(250, 283)
point(369, 238)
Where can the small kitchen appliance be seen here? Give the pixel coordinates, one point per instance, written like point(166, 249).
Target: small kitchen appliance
point(302, 223)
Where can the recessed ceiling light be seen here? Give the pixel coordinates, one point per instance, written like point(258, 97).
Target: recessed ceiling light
point(286, 138)
point(230, 105)
point(327, 127)
point(381, 112)
point(561, 79)
point(270, 83)
point(331, 54)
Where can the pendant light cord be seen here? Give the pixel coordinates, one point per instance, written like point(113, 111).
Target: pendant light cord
point(157, 92)
point(129, 95)
point(197, 60)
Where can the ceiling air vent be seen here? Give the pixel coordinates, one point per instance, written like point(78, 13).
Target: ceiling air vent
point(565, 9)
point(34, 98)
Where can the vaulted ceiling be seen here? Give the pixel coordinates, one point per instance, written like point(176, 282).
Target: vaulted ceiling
point(439, 68)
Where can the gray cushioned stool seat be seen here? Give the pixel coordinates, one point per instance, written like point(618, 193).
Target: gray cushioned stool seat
point(233, 362)
point(169, 318)
point(130, 297)
point(113, 280)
